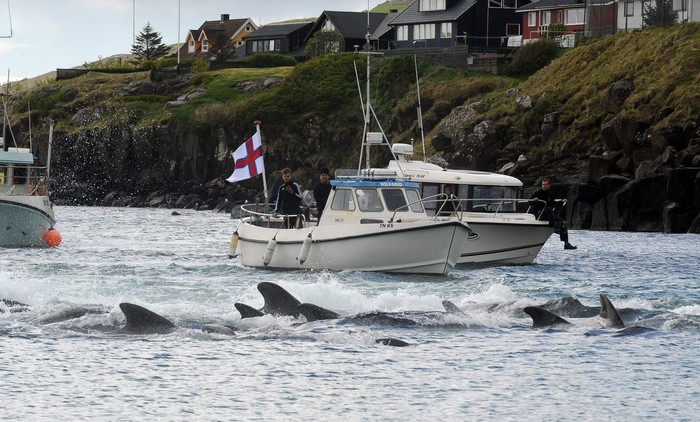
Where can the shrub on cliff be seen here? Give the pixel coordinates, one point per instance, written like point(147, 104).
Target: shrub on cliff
point(532, 57)
point(269, 60)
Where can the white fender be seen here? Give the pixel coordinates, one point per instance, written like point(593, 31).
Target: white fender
point(305, 248)
point(271, 245)
point(233, 247)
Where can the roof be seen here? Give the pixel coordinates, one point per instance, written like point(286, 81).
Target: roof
point(16, 156)
point(230, 27)
point(384, 27)
point(277, 30)
point(352, 24)
point(413, 15)
point(551, 4)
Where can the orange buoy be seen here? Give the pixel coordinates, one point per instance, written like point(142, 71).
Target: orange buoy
point(52, 237)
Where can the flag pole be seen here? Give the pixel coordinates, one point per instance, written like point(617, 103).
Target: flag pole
point(264, 176)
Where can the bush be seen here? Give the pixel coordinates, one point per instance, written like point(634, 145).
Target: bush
point(199, 66)
point(269, 60)
point(532, 57)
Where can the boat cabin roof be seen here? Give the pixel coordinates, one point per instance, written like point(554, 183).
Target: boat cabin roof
point(386, 183)
point(430, 173)
point(16, 156)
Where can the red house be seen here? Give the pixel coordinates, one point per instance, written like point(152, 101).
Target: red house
point(580, 17)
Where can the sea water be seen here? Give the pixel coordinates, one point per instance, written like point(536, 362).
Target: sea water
point(485, 364)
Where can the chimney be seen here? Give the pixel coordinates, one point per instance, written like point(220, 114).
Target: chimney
point(224, 17)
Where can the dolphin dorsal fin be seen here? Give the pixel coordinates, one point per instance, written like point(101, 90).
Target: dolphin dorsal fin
point(140, 320)
point(542, 318)
point(609, 313)
point(314, 312)
point(248, 311)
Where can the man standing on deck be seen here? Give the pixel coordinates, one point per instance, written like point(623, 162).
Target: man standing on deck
point(545, 205)
point(322, 190)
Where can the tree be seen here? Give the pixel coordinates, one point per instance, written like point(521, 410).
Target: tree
point(659, 13)
point(222, 49)
point(323, 42)
point(149, 45)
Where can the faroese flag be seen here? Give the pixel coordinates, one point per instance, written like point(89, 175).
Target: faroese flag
point(248, 159)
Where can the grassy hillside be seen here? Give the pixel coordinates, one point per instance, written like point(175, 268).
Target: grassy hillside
point(313, 118)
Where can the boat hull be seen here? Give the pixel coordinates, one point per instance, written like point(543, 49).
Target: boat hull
point(428, 247)
point(24, 220)
point(504, 239)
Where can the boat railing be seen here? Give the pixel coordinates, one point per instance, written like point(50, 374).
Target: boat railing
point(497, 206)
point(31, 180)
point(438, 199)
point(259, 215)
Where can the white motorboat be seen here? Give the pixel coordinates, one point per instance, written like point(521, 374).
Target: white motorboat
point(372, 223)
point(26, 213)
point(505, 231)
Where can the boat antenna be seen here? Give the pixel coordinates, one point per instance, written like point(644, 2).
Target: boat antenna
point(29, 116)
point(48, 153)
point(420, 110)
point(9, 17)
point(368, 137)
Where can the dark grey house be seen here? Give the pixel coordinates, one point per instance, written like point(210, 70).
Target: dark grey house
point(287, 38)
point(445, 23)
point(352, 26)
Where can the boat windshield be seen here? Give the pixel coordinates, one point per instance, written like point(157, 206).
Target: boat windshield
point(414, 200)
point(368, 200)
point(395, 200)
point(343, 200)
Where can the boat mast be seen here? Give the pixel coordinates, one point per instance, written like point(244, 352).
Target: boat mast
point(9, 18)
point(420, 109)
point(5, 117)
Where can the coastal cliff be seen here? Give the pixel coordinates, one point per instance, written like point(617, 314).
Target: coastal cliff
point(615, 123)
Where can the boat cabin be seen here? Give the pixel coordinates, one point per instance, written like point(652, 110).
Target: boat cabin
point(372, 201)
point(18, 176)
point(477, 191)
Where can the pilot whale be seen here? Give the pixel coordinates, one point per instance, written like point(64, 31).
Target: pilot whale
point(140, 320)
point(608, 317)
point(278, 302)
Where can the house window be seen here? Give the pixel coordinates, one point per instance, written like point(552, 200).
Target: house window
point(446, 30)
point(295, 42)
point(239, 43)
point(575, 16)
point(265, 45)
point(328, 26)
point(205, 45)
point(512, 29)
point(247, 28)
point(402, 33)
point(546, 17)
point(532, 19)
point(424, 31)
point(629, 8)
point(190, 46)
point(560, 16)
point(429, 5)
point(503, 4)
point(680, 5)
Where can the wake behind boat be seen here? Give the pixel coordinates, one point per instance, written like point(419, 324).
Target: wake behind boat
point(371, 223)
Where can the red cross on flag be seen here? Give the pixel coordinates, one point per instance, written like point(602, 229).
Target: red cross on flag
point(248, 159)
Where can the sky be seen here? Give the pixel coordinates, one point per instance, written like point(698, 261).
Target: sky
point(50, 34)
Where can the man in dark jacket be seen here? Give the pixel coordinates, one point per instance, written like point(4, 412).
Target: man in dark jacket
point(545, 205)
point(322, 190)
point(288, 199)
